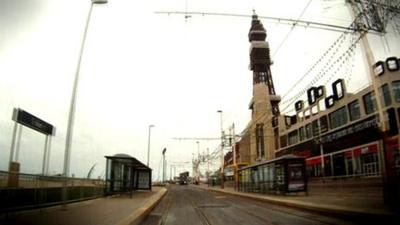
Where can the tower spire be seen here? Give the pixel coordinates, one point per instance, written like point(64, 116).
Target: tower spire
point(260, 60)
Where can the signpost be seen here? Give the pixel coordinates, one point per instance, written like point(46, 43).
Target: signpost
point(23, 118)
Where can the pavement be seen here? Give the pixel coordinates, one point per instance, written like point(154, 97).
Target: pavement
point(115, 210)
point(367, 206)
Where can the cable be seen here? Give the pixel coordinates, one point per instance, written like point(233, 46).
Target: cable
point(291, 29)
point(339, 62)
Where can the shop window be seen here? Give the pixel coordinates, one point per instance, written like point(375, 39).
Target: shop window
point(385, 93)
point(369, 103)
point(354, 110)
point(339, 165)
point(314, 170)
point(327, 166)
point(370, 164)
point(349, 165)
point(308, 131)
point(338, 118)
point(396, 90)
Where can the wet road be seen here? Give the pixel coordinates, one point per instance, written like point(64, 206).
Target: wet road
point(190, 205)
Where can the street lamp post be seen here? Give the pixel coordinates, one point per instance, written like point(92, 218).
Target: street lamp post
point(164, 164)
point(222, 150)
point(71, 115)
point(148, 145)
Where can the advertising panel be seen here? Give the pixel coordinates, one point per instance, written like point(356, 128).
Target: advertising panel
point(296, 177)
point(143, 180)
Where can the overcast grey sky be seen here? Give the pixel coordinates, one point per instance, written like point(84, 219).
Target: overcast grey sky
point(142, 68)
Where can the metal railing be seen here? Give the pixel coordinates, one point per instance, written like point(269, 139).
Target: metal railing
point(20, 191)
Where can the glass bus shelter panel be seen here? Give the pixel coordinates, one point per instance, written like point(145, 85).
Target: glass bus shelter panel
point(280, 184)
point(277, 176)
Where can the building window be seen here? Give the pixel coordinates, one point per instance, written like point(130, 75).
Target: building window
point(315, 128)
point(260, 140)
point(369, 103)
point(396, 90)
point(323, 122)
point(385, 93)
point(302, 134)
point(276, 138)
point(293, 137)
point(308, 131)
point(283, 141)
point(338, 118)
point(354, 110)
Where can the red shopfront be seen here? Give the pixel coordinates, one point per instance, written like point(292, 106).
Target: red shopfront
point(360, 160)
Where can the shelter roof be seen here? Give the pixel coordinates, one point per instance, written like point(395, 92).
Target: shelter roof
point(128, 160)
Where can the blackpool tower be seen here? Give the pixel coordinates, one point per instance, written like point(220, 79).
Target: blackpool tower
point(265, 102)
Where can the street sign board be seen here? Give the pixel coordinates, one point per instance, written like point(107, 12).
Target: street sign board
point(33, 122)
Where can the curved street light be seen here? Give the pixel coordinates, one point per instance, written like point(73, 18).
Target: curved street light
point(71, 115)
point(148, 144)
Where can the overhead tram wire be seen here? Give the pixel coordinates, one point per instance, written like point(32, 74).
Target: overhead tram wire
point(291, 29)
point(322, 71)
point(339, 40)
point(339, 60)
point(303, 23)
point(327, 52)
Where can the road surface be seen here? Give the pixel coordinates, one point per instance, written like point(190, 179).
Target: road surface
point(194, 206)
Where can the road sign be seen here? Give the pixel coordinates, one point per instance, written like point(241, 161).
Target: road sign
point(33, 122)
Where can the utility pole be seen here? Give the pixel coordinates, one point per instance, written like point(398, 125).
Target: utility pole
point(164, 164)
point(208, 165)
point(222, 151)
point(235, 175)
point(170, 172)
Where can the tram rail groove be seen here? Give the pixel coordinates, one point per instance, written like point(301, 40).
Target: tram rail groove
point(204, 219)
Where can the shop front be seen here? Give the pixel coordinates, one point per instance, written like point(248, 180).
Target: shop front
point(362, 160)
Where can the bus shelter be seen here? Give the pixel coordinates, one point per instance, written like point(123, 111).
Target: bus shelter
point(282, 175)
point(125, 173)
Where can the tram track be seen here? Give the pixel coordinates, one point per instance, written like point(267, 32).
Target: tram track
point(189, 205)
point(264, 219)
point(200, 213)
point(170, 200)
point(281, 209)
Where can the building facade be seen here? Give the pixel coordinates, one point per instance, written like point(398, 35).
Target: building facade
point(342, 135)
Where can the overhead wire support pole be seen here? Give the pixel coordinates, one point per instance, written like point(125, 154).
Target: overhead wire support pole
point(222, 150)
